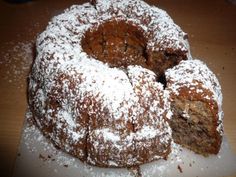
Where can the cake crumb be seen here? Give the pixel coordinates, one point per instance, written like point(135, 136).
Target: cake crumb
point(42, 157)
point(180, 169)
point(136, 171)
point(45, 158)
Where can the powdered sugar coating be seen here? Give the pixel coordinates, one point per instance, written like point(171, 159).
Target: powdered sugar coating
point(199, 79)
point(95, 108)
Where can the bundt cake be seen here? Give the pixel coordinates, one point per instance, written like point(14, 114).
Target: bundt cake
point(103, 87)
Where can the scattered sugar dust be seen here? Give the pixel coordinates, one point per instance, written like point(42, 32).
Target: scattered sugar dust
point(16, 62)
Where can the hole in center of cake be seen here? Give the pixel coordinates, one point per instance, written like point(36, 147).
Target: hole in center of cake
point(117, 43)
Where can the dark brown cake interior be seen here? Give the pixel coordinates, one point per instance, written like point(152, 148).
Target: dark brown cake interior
point(196, 130)
point(120, 44)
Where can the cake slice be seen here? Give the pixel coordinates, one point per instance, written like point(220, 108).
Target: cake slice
point(196, 103)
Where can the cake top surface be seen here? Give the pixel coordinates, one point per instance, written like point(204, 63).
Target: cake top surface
point(59, 46)
point(155, 23)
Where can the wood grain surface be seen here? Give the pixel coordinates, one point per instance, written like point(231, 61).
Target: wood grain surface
point(211, 26)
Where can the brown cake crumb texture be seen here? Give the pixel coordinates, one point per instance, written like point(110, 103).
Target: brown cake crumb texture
point(196, 106)
point(113, 82)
